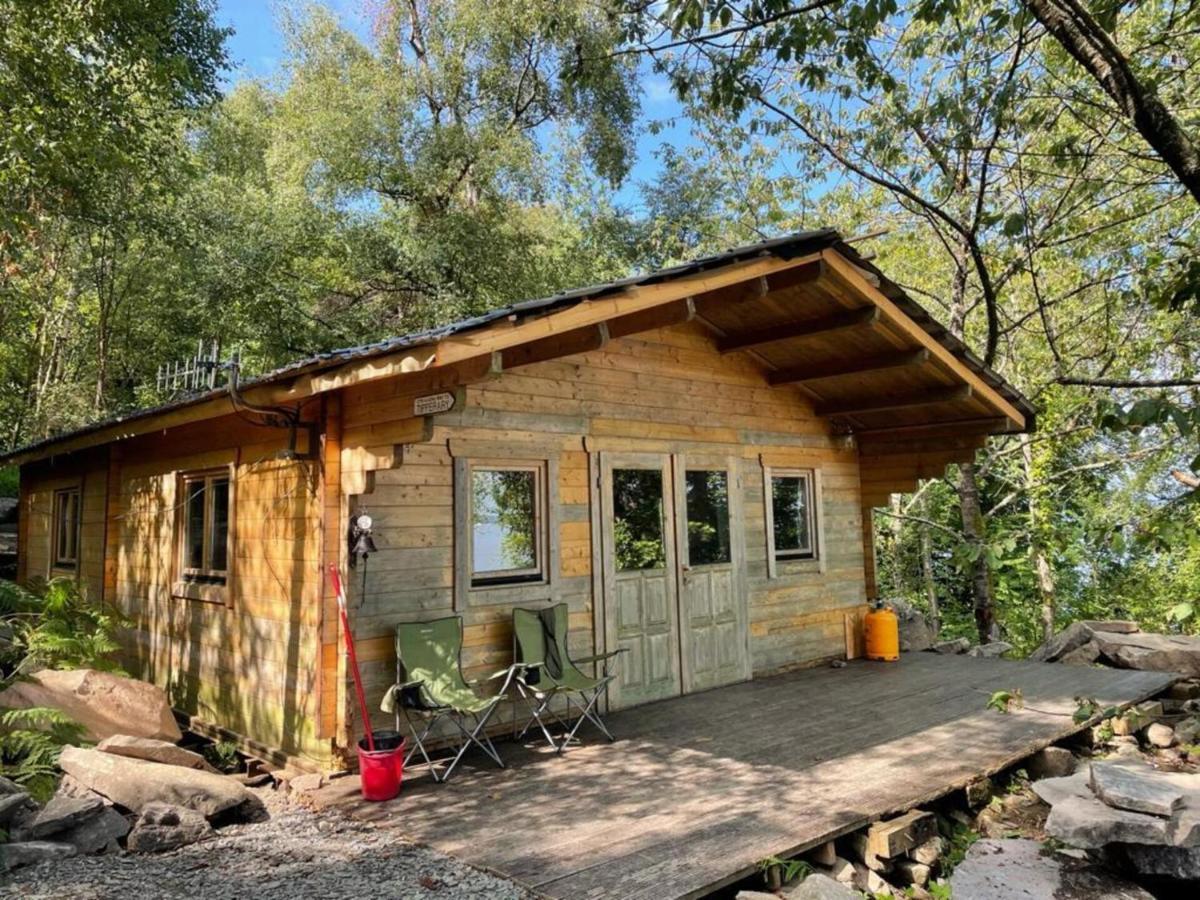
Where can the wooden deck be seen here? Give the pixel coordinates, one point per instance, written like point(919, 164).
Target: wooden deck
point(699, 788)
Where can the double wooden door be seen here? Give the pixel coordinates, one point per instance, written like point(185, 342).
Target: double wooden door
point(673, 574)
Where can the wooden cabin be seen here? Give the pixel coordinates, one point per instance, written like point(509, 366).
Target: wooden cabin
point(688, 458)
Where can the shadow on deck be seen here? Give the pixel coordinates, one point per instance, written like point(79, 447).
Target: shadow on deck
point(697, 789)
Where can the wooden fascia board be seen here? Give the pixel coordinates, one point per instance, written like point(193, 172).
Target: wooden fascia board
point(896, 316)
point(592, 312)
point(863, 405)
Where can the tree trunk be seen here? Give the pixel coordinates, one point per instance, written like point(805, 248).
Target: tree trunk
point(935, 615)
point(1094, 49)
point(981, 573)
point(1047, 588)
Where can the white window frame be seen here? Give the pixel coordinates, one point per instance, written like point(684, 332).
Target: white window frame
point(794, 562)
point(203, 583)
point(500, 578)
point(59, 560)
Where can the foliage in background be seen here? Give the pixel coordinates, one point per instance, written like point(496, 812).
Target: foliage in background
point(52, 625)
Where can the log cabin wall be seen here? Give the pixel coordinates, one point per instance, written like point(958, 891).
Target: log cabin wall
point(663, 391)
point(242, 663)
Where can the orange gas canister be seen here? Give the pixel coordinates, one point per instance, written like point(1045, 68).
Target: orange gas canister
point(882, 634)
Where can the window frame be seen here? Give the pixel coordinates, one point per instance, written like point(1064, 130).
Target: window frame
point(60, 562)
point(203, 583)
point(507, 578)
point(790, 562)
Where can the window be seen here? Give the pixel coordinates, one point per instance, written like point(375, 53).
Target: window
point(204, 535)
point(507, 534)
point(638, 519)
point(66, 528)
point(793, 525)
point(707, 516)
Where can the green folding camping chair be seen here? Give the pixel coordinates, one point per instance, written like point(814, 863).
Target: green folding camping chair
point(546, 672)
point(430, 686)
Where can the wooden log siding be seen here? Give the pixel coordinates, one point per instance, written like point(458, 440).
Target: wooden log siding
point(668, 390)
point(251, 666)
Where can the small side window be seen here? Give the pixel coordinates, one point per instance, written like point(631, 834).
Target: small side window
point(66, 529)
point(793, 526)
point(204, 532)
point(507, 523)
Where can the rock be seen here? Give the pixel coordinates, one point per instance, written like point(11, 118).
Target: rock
point(890, 838)
point(1070, 638)
point(911, 872)
point(61, 813)
point(1187, 731)
point(1184, 690)
point(821, 887)
point(30, 853)
point(303, 784)
point(1152, 652)
point(98, 833)
point(842, 871)
point(1018, 869)
point(978, 792)
point(1181, 863)
point(132, 783)
point(154, 750)
point(1086, 655)
point(877, 885)
point(1128, 751)
point(11, 804)
point(8, 786)
point(823, 855)
point(915, 631)
point(1135, 787)
point(1160, 735)
point(1090, 824)
point(103, 703)
point(1051, 762)
point(994, 650)
point(1113, 626)
point(958, 645)
point(162, 827)
point(929, 852)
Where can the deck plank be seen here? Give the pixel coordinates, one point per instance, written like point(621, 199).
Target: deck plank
point(698, 789)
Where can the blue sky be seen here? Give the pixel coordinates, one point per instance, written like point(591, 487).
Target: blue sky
point(256, 50)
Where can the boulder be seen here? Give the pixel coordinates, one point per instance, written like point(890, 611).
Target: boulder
point(11, 805)
point(162, 827)
point(1114, 626)
point(1070, 638)
point(1152, 652)
point(133, 783)
point(1087, 655)
point(929, 852)
point(1088, 823)
point(821, 887)
point(153, 750)
point(30, 853)
point(949, 648)
point(1184, 690)
point(101, 832)
point(8, 786)
point(1051, 762)
point(994, 650)
point(61, 813)
point(102, 703)
point(1018, 869)
point(1180, 863)
point(1160, 735)
point(1187, 731)
point(979, 792)
point(915, 631)
point(1135, 787)
point(842, 871)
point(911, 872)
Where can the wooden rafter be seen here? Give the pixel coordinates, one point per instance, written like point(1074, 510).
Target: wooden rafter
point(861, 405)
point(748, 340)
point(842, 367)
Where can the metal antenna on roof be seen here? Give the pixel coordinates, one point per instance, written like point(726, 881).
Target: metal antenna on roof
point(195, 375)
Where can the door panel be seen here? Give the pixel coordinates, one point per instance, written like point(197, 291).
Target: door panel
point(713, 613)
point(639, 576)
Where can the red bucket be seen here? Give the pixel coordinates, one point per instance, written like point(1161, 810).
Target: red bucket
point(381, 770)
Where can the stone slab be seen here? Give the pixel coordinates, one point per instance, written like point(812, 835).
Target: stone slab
point(1134, 786)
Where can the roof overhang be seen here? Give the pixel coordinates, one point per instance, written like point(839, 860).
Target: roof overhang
point(816, 316)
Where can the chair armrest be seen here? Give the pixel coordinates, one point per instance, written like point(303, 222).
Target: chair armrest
point(596, 657)
point(395, 692)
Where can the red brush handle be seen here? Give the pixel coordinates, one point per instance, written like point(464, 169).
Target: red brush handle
point(336, 577)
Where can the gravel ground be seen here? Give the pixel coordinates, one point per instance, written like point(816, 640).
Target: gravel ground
point(296, 853)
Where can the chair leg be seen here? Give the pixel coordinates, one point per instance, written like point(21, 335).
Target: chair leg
point(537, 708)
point(588, 712)
point(473, 737)
point(419, 742)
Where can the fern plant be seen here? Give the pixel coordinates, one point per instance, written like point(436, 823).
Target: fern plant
point(50, 625)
